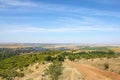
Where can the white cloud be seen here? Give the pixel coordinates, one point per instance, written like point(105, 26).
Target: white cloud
point(16, 3)
point(106, 1)
point(80, 20)
point(28, 6)
point(68, 29)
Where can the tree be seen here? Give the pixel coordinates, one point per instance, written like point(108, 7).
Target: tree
point(54, 70)
point(48, 58)
point(71, 57)
point(60, 58)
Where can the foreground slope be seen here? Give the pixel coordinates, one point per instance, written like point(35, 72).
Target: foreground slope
point(92, 73)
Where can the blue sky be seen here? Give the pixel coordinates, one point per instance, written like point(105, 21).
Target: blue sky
point(60, 21)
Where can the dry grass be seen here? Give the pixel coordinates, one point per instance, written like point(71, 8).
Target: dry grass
point(116, 49)
point(1, 78)
point(34, 72)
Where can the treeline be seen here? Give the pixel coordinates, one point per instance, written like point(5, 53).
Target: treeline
point(6, 53)
point(89, 55)
point(95, 48)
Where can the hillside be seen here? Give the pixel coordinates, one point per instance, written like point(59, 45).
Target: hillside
point(60, 63)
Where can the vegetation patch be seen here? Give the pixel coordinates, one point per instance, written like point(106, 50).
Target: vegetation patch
point(54, 70)
point(90, 55)
point(9, 66)
point(106, 66)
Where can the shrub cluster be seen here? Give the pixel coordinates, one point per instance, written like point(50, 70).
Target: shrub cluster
point(89, 55)
point(54, 70)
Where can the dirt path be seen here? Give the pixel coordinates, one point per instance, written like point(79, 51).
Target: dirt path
point(71, 75)
point(92, 73)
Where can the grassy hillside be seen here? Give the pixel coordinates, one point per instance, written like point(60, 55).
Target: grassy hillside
point(9, 66)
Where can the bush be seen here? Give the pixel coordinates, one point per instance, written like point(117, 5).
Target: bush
point(20, 75)
point(36, 67)
point(48, 58)
point(71, 57)
point(106, 66)
point(54, 70)
point(60, 58)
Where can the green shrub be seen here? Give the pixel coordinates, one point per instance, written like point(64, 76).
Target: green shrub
point(60, 58)
point(54, 70)
point(20, 75)
point(71, 57)
point(48, 58)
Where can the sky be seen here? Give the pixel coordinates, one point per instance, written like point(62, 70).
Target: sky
point(60, 21)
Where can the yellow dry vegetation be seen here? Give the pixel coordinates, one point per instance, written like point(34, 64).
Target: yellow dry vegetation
point(116, 49)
